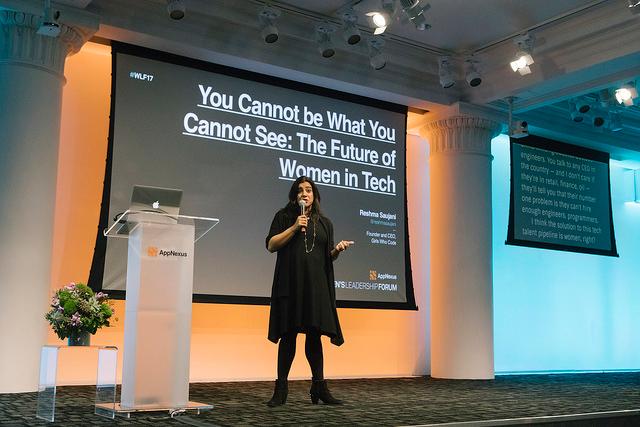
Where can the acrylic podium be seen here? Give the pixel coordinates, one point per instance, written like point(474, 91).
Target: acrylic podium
point(157, 328)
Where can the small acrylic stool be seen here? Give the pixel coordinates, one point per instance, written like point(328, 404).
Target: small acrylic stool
point(105, 400)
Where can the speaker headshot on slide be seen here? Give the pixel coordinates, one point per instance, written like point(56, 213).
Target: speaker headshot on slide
point(303, 298)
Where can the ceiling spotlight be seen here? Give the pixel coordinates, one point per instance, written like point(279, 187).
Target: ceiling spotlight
point(473, 77)
point(606, 98)
point(415, 12)
point(582, 106)
point(176, 9)
point(523, 58)
point(379, 21)
point(615, 122)
point(267, 18)
point(382, 18)
point(626, 94)
point(598, 120)
point(323, 37)
point(377, 58)
point(350, 30)
point(576, 115)
point(49, 26)
point(633, 3)
point(445, 72)
point(623, 95)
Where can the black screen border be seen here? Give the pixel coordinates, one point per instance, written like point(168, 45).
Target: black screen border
point(96, 273)
point(568, 149)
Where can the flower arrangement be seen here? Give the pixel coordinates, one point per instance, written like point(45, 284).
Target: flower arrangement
point(75, 309)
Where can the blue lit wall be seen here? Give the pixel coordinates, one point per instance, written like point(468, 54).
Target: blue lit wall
point(561, 311)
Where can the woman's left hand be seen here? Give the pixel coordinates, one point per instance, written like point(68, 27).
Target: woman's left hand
point(343, 245)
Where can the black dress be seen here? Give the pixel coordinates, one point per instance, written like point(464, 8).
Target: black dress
point(303, 294)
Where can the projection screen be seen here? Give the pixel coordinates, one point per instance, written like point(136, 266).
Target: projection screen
point(234, 142)
point(560, 197)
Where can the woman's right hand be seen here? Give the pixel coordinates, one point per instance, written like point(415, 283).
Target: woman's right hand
point(301, 222)
point(279, 240)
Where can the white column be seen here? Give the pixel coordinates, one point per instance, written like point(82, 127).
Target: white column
point(31, 79)
point(461, 258)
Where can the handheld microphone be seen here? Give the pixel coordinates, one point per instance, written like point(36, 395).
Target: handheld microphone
point(302, 206)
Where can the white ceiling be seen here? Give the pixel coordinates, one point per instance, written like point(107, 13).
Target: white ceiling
point(460, 25)
point(580, 48)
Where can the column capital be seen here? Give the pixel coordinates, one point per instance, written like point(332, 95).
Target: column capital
point(21, 45)
point(461, 134)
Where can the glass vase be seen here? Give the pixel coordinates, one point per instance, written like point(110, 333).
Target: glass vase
point(79, 338)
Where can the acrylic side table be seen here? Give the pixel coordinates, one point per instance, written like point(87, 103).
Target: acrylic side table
point(105, 379)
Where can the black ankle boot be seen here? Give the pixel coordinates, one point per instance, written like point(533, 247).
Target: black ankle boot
point(279, 393)
point(320, 391)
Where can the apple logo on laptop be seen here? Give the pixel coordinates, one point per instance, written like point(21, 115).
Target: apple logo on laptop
point(156, 204)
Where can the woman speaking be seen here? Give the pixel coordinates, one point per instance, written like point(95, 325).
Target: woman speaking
point(303, 296)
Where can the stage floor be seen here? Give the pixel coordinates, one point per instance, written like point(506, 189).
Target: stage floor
point(611, 399)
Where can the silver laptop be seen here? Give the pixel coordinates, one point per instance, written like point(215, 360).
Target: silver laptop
point(156, 199)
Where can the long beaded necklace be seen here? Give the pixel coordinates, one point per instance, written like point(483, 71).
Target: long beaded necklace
point(313, 242)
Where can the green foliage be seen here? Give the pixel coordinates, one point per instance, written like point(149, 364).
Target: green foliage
point(75, 308)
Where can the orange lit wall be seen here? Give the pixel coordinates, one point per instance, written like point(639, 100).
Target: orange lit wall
point(228, 341)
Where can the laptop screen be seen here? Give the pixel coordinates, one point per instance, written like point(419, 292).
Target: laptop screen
point(156, 199)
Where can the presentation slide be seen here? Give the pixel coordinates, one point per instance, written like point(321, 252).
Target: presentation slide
point(560, 197)
point(234, 142)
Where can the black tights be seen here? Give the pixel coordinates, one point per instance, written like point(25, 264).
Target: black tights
point(312, 349)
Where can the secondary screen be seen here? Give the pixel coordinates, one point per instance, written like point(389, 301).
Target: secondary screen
point(560, 197)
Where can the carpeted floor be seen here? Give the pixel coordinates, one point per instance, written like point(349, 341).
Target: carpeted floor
point(385, 402)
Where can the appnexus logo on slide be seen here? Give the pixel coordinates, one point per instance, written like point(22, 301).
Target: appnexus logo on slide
point(153, 251)
point(374, 275)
